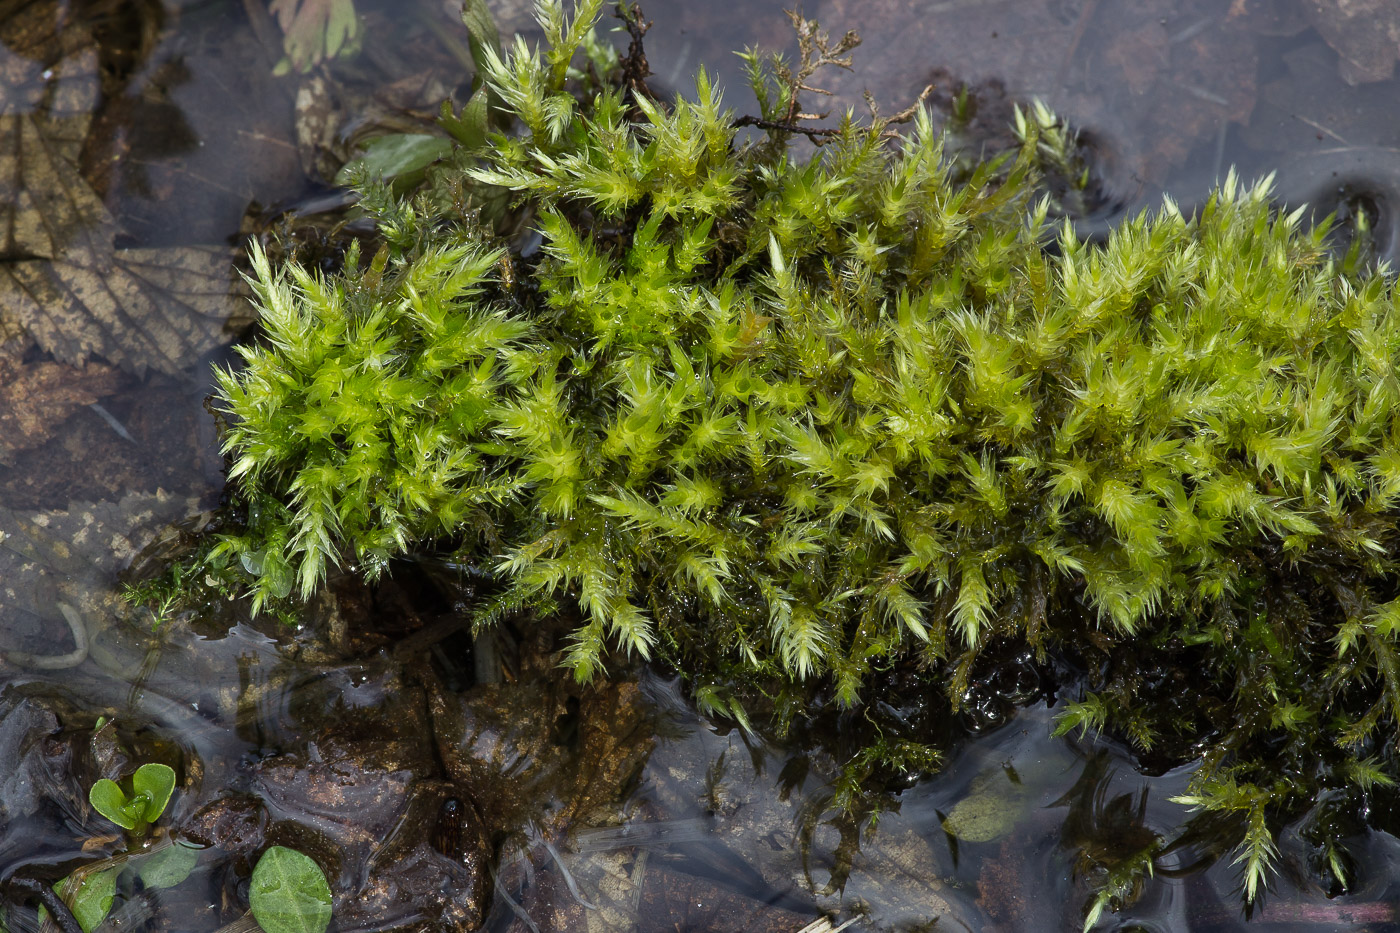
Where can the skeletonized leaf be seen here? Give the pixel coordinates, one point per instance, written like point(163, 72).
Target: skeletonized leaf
point(60, 277)
point(48, 87)
point(47, 60)
point(48, 209)
point(140, 308)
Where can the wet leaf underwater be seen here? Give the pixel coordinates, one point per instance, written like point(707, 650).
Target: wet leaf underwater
point(62, 278)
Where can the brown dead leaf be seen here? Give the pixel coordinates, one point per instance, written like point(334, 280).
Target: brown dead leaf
point(37, 397)
point(1365, 33)
point(47, 60)
point(1298, 113)
point(1130, 49)
point(97, 843)
point(139, 308)
point(150, 434)
point(46, 208)
point(198, 133)
point(61, 278)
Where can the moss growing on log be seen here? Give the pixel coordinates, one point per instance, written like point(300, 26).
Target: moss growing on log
point(812, 418)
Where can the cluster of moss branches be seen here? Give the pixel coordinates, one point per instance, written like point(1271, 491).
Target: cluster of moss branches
point(815, 415)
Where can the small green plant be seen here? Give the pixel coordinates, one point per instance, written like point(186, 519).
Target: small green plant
point(151, 787)
point(289, 893)
point(90, 890)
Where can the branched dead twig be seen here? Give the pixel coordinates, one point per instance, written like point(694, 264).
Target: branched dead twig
point(904, 116)
point(817, 135)
point(817, 51)
point(635, 68)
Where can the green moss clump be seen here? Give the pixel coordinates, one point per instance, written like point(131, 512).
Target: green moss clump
point(814, 416)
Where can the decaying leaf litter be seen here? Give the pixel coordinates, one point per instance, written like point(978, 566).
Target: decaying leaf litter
point(80, 297)
point(66, 282)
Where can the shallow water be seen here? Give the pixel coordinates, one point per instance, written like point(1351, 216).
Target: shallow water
point(612, 809)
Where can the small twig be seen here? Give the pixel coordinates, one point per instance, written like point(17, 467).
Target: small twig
point(816, 52)
point(817, 135)
point(514, 906)
point(56, 662)
point(112, 422)
point(1321, 129)
point(635, 68)
point(907, 114)
point(430, 635)
point(823, 925)
point(821, 135)
point(26, 888)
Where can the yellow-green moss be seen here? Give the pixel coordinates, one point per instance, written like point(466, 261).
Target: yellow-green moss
point(811, 416)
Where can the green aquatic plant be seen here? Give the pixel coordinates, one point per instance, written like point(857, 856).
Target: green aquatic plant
point(151, 787)
point(806, 418)
point(288, 893)
point(90, 890)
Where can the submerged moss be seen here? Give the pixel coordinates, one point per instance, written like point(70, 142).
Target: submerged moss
point(811, 418)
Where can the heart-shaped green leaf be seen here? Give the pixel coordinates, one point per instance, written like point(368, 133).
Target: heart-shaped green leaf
point(107, 798)
point(167, 867)
point(289, 893)
point(398, 155)
point(93, 898)
point(156, 783)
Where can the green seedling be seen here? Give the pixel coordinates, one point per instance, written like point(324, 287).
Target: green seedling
point(151, 787)
point(90, 890)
